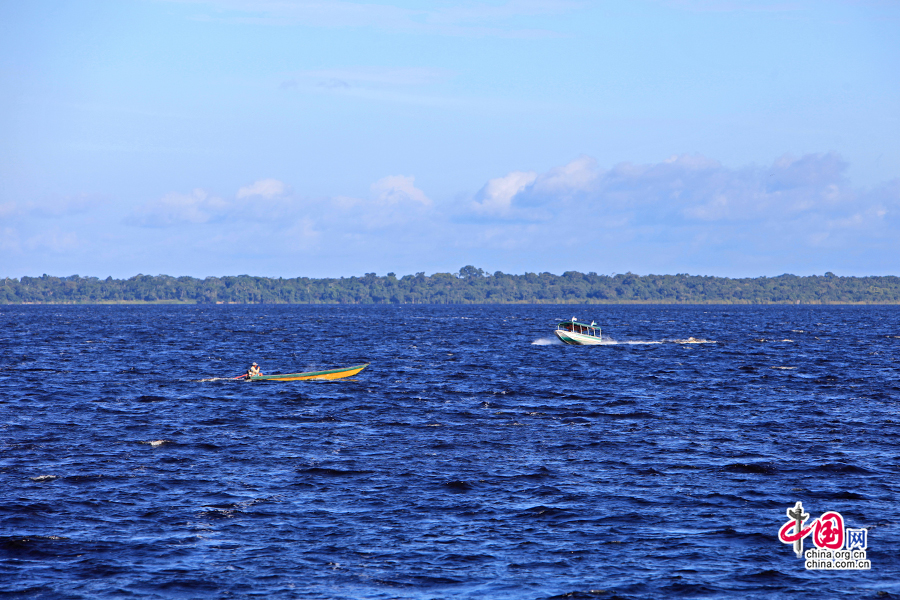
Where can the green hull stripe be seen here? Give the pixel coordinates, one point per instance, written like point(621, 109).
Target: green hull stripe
point(309, 373)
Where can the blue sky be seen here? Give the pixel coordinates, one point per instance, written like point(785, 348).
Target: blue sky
point(294, 138)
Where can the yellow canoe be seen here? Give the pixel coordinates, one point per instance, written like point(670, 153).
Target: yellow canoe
point(332, 374)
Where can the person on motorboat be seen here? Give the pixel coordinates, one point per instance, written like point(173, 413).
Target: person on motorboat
point(253, 371)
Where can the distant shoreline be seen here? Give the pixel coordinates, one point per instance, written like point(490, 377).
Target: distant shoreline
point(469, 286)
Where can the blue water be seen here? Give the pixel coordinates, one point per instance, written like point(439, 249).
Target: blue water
point(473, 458)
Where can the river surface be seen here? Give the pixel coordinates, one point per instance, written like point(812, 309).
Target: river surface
point(473, 458)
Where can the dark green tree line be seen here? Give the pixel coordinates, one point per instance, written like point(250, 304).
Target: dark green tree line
point(469, 286)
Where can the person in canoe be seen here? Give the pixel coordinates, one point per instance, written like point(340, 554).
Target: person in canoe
point(253, 371)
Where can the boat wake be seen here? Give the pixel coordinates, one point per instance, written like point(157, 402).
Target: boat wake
point(690, 340)
point(612, 342)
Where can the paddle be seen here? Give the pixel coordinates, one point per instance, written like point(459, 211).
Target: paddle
point(240, 376)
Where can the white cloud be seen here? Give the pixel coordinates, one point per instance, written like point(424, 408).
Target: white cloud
point(697, 188)
point(396, 189)
point(496, 197)
point(395, 199)
point(685, 213)
point(266, 188)
point(687, 206)
point(577, 176)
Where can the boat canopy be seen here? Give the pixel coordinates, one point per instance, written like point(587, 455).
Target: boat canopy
point(574, 322)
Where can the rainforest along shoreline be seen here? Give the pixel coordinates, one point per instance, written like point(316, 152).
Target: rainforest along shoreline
point(468, 286)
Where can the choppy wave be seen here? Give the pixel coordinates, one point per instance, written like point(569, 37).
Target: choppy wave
point(466, 462)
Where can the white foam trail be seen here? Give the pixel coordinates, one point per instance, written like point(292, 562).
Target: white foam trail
point(611, 342)
point(608, 341)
